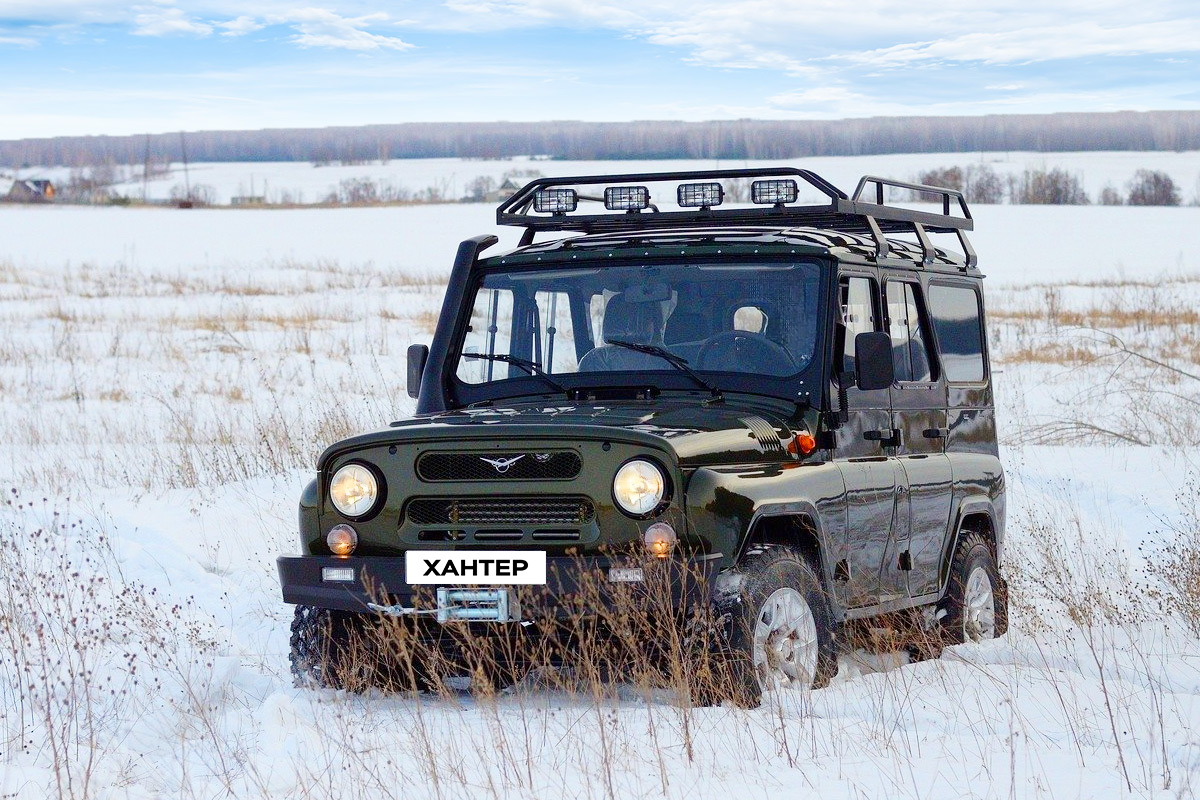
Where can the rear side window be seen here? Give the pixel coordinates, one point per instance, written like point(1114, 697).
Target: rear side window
point(957, 320)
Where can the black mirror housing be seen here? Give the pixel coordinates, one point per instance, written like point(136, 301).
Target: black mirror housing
point(418, 354)
point(873, 367)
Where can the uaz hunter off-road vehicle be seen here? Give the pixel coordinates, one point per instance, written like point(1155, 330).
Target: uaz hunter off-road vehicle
point(781, 411)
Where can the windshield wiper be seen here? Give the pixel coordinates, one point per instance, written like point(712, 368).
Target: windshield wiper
point(532, 367)
point(678, 362)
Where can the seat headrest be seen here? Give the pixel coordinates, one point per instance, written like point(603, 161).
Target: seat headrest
point(632, 322)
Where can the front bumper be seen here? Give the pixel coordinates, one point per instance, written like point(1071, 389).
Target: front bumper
point(575, 584)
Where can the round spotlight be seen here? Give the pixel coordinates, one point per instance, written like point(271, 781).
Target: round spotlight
point(342, 540)
point(660, 539)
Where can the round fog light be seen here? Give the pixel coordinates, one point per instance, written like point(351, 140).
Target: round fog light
point(342, 540)
point(660, 539)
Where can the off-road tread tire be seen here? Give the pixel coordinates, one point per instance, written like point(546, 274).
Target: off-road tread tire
point(973, 549)
point(765, 568)
point(331, 650)
point(314, 648)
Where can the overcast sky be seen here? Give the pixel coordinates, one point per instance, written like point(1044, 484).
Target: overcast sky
point(106, 66)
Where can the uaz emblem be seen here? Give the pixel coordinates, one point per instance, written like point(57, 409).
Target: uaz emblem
point(502, 465)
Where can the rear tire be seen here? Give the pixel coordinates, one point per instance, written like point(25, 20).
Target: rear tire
point(975, 607)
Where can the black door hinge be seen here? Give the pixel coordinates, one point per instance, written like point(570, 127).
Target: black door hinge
point(905, 564)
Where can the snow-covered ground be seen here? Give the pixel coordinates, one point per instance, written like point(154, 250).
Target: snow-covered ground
point(301, 182)
point(1017, 244)
point(168, 377)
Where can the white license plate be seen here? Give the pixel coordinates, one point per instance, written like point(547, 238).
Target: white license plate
point(472, 568)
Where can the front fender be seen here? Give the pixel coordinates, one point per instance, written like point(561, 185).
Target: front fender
point(724, 503)
point(310, 525)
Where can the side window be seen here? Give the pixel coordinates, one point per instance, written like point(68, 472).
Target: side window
point(957, 321)
point(909, 350)
point(858, 308)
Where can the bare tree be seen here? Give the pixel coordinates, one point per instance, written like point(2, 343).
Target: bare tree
point(1047, 187)
point(1109, 196)
point(983, 185)
point(1152, 188)
point(478, 188)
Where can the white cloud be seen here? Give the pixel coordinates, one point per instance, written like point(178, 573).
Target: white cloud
point(158, 21)
point(18, 41)
point(318, 27)
point(239, 26)
point(791, 36)
point(1023, 45)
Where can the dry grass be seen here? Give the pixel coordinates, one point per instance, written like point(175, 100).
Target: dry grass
point(214, 373)
point(1100, 361)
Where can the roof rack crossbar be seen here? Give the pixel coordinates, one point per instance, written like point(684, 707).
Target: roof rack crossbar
point(920, 228)
point(849, 214)
point(944, 195)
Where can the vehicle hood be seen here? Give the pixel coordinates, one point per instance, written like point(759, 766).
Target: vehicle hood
point(695, 433)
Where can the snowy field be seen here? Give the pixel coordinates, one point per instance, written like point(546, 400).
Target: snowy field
point(301, 182)
point(167, 379)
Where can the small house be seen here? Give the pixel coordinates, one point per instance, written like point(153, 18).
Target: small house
point(31, 191)
point(503, 191)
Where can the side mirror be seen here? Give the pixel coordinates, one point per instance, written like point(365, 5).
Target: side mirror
point(873, 367)
point(418, 354)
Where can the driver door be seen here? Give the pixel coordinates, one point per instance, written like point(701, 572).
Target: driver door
point(870, 469)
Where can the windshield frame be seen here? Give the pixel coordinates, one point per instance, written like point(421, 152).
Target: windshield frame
point(804, 385)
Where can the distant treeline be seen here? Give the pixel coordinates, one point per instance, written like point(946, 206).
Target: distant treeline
point(737, 139)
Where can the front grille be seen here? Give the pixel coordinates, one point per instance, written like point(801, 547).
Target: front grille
point(556, 466)
point(491, 535)
point(500, 511)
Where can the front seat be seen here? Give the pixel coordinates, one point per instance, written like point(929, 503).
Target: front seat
point(640, 323)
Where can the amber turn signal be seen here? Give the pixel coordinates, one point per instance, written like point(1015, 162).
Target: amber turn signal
point(802, 444)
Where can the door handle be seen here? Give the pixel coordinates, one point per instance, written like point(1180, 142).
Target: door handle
point(887, 437)
point(936, 433)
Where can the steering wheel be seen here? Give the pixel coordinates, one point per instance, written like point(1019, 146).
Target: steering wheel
point(725, 350)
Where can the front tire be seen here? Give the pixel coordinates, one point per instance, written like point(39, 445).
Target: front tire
point(330, 650)
point(781, 636)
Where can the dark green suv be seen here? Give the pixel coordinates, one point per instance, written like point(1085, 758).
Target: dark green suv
point(779, 410)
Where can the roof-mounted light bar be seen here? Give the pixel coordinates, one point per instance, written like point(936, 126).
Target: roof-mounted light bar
point(626, 198)
point(774, 192)
point(863, 212)
point(555, 201)
point(700, 195)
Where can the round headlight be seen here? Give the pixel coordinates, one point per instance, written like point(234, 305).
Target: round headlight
point(354, 490)
point(639, 487)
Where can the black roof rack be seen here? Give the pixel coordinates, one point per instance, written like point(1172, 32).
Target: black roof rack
point(865, 213)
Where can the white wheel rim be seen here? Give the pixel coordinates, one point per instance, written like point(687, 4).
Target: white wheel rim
point(979, 607)
point(785, 642)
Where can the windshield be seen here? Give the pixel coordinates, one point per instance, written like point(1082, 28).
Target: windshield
point(750, 319)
